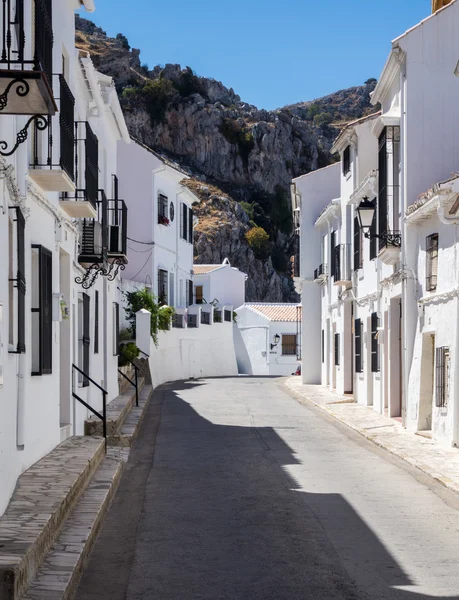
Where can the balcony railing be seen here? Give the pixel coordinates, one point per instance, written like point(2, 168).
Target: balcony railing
point(26, 59)
point(321, 273)
point(53, 160)
point(93, 238)
point(342, 273)
point(83, 201)
point(389, 247)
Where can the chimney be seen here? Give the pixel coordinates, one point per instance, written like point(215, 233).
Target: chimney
point(437, 4)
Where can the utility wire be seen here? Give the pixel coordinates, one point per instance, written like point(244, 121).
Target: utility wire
point(139, 242)
point(143, 266)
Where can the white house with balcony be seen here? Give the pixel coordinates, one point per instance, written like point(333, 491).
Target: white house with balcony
point(63, 235)
point(221, 284)
point(161, 221)
point(268, 338)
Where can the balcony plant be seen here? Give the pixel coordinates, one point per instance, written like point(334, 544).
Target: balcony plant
point(163, 220)
point(161, 316)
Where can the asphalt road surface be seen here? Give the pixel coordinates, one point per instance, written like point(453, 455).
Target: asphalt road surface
point(235, 490)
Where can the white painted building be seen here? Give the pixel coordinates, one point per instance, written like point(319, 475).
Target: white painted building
point(51, 210)
point(388, 333)
point(222, 284)
point(268, 338)
point(160, 245)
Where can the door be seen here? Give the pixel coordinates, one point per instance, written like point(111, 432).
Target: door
point(427, 383)
point(65, 348)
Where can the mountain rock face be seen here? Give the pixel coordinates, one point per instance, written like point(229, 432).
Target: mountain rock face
point(241, 159)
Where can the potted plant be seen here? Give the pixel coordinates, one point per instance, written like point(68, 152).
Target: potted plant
point(163, 220)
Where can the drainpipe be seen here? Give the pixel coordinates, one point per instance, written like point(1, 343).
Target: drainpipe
point(105, 328)
point(20, 423)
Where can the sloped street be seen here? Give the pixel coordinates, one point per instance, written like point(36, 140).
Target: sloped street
point(234, 490)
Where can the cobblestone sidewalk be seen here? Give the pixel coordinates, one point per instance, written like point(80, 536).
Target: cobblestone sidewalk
point(436, 461)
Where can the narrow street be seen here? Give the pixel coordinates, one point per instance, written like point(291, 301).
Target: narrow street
point(234, 490)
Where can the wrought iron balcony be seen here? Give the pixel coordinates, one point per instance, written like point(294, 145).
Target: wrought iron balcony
point(93, 235)
point(26, 57)
point(53, 160)
point(83, 201)
point(117, 230)
point(342, 274)
point(390, 243)
point(321, 274)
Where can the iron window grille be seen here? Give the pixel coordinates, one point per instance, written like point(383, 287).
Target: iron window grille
point(178, 321)
point(289, 344)
point(374, 343)
point(19, 282)
point(431, 262)
point(46, 157)
point(332, 254)
point(163, 218)
point(190, 225)
point(96, 322)
point(192, 321)
point(117, 218)
point(442, 375)
point(116, 329)
point(199, 294)
point(42, 332)
point(93, 238)
point(358, 240)
point(337, 263)
point(228, 316)
point(205, 317)
point(347, 160)
point(389, 187)
point(189, 292)
point(337, 349)
point(162, 286)
point(217, 315)
point(184, 221)
point(85, 340)
point(358, 345)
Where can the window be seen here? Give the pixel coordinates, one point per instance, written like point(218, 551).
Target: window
point(332, 254)
point(358, 345)
point(116, 328)
point(323, 346)
point(42, 332)
point(83, 337)
point(199, 294)
point(347, 160)
point(374, 343)
point(189, 292)
point(184, 222)
point(373, 235)
point(172, 291)
point(162, 286)
point(228, 316)
point(163, 218)
point(389, 181)
point(358, 242)
point(190, 225)
point(442, 366)
point(337, 349)
point(431, 262)
point(17, 282)
point(96, 323)
point(288, 344)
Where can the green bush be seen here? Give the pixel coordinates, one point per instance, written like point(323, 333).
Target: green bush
point(129, 93)
point(161, 316)
point(157, 96)
point(240, 136)
point(322, 119)
point(248, 208)
point(258, 240)
point(188, 84)
point(313, 110)
point(128, 353)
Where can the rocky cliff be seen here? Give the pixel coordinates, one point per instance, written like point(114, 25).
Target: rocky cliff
point(241, 159)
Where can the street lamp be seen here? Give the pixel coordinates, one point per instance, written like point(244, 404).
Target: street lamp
point(276, 340)
point(365, 216)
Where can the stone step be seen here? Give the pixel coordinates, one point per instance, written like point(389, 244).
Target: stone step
point(123, 382)
point(117, 412)
point(131, 425)
point(59, 575)
point(44, 497)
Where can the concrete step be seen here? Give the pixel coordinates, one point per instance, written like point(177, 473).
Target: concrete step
point(131, 425)
point(117, 412)
point(123, 382)
point(45, 496)
point(59, 575)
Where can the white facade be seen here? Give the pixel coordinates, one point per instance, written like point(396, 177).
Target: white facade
point(40, 342)
point(223, 284)
point(160, 247)
point(389, 334)
point(258, 350)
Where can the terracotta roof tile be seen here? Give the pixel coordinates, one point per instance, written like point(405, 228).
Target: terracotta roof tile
point(277, 312)
point(202, 269)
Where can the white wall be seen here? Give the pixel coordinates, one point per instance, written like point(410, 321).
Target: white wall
point(206, 351)
point(226, 284)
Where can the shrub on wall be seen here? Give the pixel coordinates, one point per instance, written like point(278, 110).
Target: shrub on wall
point(258, 240)
point(161, 316)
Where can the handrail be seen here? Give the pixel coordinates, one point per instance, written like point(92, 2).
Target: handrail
point(136, 368)
point(144, 353)
point(103, 416)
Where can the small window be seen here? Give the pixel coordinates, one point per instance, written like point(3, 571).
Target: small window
point(116, 329)
point(190, 225)
point(172, 291)
point(358, 243)
point(337, 349)
point(288, 344)
point(199, 293)
point(431, 262)
point(374, 343)
point(442, 368)
point(347, 160)
point(332, 254)
point(163, 218)
point(184, 222)
point(96, 323)
point(42, 332)
point(373, 235)
point(358, 345)
point(189, 292)
point(162, 286)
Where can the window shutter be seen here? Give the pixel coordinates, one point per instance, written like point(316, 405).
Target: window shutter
point(181, 221)
point(190, 226)
point(86, 337)
point(21, 281)
point(185, 221)
point(116, 329)
point(357, 243)
point(96, 323)
point(190, 292)
point(439, 371)
point(374, 343)
point(332, 254)
point(289, 343)
point(337, 349)
point(358, 345)
point(346, 160)
point(373, 233)
point(46, 274)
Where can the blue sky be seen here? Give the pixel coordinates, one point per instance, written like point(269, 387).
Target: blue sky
point(271, 53)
